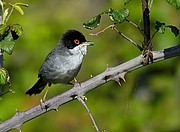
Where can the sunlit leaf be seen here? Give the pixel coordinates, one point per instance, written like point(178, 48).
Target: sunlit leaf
point(19, 9)
point(4, 76)
point(93, 22)
point(174, 30)
point(118, 15)
point(7, 46)
point(160, 27)
point(5, 14)
point(1, 4)
point(2, 28)
point(22, 4)
point(175, 3)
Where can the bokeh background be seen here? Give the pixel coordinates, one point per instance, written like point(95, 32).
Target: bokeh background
point(149, 101)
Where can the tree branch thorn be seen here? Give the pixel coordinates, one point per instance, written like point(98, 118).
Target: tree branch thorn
point(120, 77)
point(18, 128)
point(108, 68)
point(118, 80)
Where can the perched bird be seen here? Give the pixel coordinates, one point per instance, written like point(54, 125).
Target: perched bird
point(63, 63)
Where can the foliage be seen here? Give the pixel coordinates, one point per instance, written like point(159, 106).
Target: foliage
point(160, 27)
point(8, 34)
point(175, 3)
point(114, 14)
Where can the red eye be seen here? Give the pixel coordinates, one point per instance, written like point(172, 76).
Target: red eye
point(76, 41)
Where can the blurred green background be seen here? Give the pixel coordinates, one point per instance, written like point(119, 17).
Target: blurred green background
point(149, 101)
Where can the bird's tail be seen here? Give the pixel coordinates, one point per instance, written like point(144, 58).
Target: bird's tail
point(37, 87)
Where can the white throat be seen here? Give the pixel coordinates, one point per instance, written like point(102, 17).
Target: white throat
point(80, 49)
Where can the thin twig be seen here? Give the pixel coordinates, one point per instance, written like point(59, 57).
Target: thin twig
point(81, 100)
point(96, 34)
point(10, 13)
point(113, 27)
point(154, 34)
point(138, 27)
point(128, 39)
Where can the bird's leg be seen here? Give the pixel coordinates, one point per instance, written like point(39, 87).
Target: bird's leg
point(44, 97)
point(42, 101)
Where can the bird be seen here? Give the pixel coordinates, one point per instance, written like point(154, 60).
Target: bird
point(63, 63)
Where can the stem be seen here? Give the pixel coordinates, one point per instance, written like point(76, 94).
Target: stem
point(5, 21)
point(113, 27)
point(138, 27)
point(146, 22)
point(128, 39)
point(81, 100)
point(96, 34)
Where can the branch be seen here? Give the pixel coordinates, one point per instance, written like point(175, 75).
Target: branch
point(146, 21)
point(116, 73)
point(81, 100)
point(113, 27)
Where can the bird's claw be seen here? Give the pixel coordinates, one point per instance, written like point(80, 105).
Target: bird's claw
point(77, 84)
point(43, 105)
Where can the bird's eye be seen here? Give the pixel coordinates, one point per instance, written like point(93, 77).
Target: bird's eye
point(76, 41)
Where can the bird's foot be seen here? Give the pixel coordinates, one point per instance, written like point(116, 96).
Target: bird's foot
point(84, 98)
point(43, 105)
point(77, 84)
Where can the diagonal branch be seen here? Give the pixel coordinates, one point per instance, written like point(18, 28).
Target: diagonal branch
point(116, 73)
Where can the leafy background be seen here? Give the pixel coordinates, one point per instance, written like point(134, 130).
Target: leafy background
point(148, 101)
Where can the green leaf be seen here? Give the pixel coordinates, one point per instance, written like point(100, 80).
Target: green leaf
point(4, 76)
point(1, 3)
point(93, 22)
point(22, 4)
point(16, 31)
point(7, 46)
point(118, 15)
point(126, 1)
point(174, 29)
point(5, 14)
point(7, 36)
point(19, 9)
point(160, 27)
point(2, 28)
point(175, 3)
point(12, 32)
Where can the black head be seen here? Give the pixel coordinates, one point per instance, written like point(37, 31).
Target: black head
point(72, 38)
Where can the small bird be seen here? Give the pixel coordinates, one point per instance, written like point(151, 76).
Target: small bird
point(63, 63)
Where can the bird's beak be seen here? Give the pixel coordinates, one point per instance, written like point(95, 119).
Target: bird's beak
point(87, 43)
